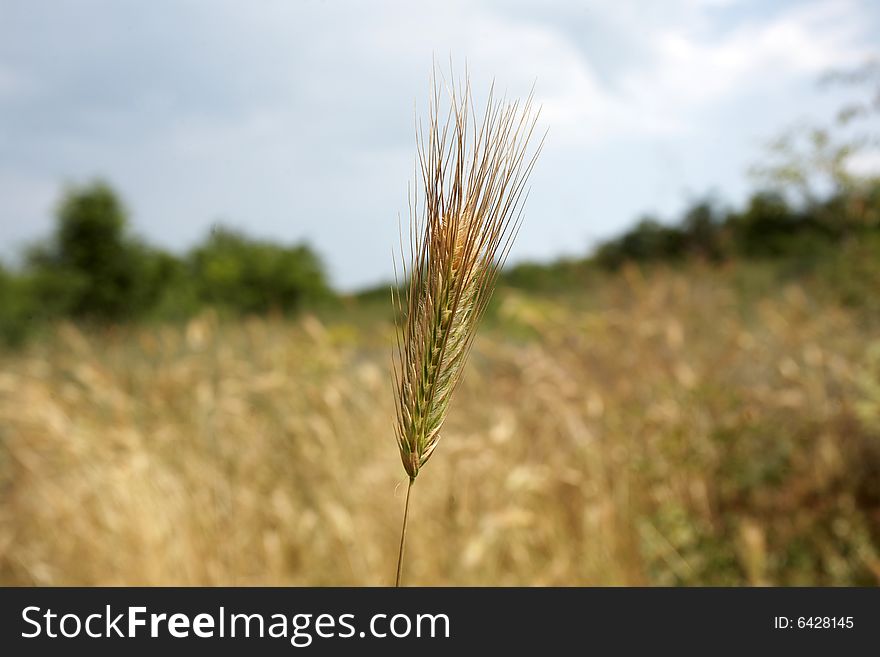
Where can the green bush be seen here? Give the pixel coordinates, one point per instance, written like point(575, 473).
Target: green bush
point(703, 232)
point(767, 228)
point(239, 274)
point(648, 241)
point(560, 275)
point(17, 308)
point(91, 268)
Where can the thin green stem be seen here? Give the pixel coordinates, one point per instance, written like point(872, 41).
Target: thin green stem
point(403, 532)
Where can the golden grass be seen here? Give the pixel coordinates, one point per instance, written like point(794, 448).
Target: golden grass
point(667, 431)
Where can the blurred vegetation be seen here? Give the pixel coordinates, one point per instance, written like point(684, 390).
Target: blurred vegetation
point(813, 218)
point(768, 227)
point(240, 274)
point(93, 270)
point(814, 215)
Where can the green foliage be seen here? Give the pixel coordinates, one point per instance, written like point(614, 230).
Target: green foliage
point(563, 274)
point(702, 231)
point(809, 163)
point(852, 273)
point(91, 269)
point(17, 308)
point(237, 273)
point(768, 227)
point(650, 240)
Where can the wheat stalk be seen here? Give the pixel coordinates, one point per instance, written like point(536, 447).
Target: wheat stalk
point(473, 179)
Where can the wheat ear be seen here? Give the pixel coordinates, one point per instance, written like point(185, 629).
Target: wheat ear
point(473, 181)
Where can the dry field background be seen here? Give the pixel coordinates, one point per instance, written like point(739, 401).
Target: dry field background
point(665, 430)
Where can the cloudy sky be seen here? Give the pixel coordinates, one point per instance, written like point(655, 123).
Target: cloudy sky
point(294, 119)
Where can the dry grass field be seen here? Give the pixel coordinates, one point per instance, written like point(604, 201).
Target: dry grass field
point(663, 430)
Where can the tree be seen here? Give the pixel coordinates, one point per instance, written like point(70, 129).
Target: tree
point(246, 275)
point(702, 226)
point(814, 161)
point(91, 268)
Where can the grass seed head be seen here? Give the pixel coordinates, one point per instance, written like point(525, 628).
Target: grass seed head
point(472, 189)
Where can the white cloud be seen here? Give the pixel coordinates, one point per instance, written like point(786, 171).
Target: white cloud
point(693, 65)
point(694, 69)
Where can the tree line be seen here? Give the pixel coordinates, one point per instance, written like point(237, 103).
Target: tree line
point(93, 269)
point(816, 215)
point(768, 226)
point(833, 241)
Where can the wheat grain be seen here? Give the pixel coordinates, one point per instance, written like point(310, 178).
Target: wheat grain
point(473, 179)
